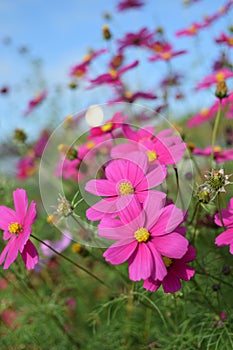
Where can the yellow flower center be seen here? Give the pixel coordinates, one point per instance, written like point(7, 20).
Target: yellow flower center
point(166, 55)
point(90, 145)
point(230, 41)
point(113, 73)
point(158, 47)
point(152, 155)
point(79, 73)
point(192, 29)
point(15, 228)
point(126, 188)
point(86, 58)
point(128, 94)
point(167, 261)
point(142, 235)
point(106, 127)
point(76, 248)
point(220, 77)
point(217, 149)
point(204, 112)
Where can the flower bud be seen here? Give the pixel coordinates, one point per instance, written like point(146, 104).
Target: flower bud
point(221, 89)
point(106, 33)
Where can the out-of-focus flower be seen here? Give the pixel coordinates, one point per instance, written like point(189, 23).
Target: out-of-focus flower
point(166, 54)
point(20, 136)
point(80, 69)
point(177, 269)
point(32, 104)
point(124, 5)
point(114, 123)
point(224, 39)
point(214, 78)
point(220, 155)
point(59, 246)
point(204, 115)
point(226, 237)
point(116, 61)
point(107, 35)
point(113, 76)
point(130, 97)
point(190, 31)
point(41, 143)
point(26, 167)
point(4, 90)
point(140, 39)
point(16, 226)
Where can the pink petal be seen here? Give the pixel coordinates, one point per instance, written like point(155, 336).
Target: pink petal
point(170, 218)
point(116, 231)
point(225, 238)
point(121, 253)
point(160, 270)
point(11, 254)
point(172, 245)
point(21, 203)
point(30, 255)
point(152, 179)
point(226, 218)
point(122, 150)
point(30, 216)
point(131, 212)
point(183, 271)
point(153, 206)
point(101, 188)
point(7, 216)
point(99, 209)
point(151, 285)
point(171, 283)
point(141, 263)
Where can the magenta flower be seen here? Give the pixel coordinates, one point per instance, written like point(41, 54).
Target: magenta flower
point(114, 123)
point(224, 39)
point(204, 115)
point(124, 178)
point(226, 237)
point(220, 155)
point(16, 226)
point(139, 39)
point(79, 70)
point(32, 104)
point(144, 236)
point(113, 76)
point(177, 269)
point(190, 31)
point(59, 246)
point(166, 54)
point(220, 75)
point(130, 97)
point(26, 167)
point(129, 4)
point(163, 148)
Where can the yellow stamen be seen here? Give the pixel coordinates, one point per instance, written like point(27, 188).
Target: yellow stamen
point(90, 145)
point(166, 55)
point(230, 41)
point(106, 127)
point(204, 112)
point(113, 73)
point(128, 94)
point(217, 149)
point(126, 188)
point(152, 155)
point(220, 77)
point(15, 228)
point(76, 248)
point(142, 235)
point(192, 29)
point(167, 261)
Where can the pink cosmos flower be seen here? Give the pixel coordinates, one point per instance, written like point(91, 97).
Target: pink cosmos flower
point(17, 229)
point(125, 178)
point(226, 237)
point(130, 97)
point(32, 104)
point(26, 167)
point(163, 148)
point(41, 143)
point(166, 54)
point(114, 123)
point(129, 4)
point(203, 116)
point(144, 236)
point(214, 78)
point(79, 70)
point(113, 76)
point(220, 155)
point(139, 39)
point(177, 269)
point(190, 31)
point(59, 246)
point(224, 39)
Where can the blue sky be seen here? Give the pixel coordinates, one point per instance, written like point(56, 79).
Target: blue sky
point(59, 33)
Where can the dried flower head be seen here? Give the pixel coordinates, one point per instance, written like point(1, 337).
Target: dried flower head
point(217, 180)
point(64, 207)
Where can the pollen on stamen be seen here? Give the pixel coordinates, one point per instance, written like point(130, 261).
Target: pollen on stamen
point(106, 127)
point(152, 155)
point(125, 188)
point(142, 235)
point(167, 261)
point(15, 228)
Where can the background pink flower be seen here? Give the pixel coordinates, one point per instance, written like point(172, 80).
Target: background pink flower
point(16, 226)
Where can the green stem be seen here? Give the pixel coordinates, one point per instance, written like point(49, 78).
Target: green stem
point(220, 210)
point(214, 135)
point(72, 262)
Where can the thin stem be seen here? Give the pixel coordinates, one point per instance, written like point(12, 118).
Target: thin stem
point(214, 135)
point(220, 210)
point(72, 262)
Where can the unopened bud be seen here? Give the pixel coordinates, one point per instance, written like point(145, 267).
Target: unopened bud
point(20, 136)
point(106, 33)
point(221, 89)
